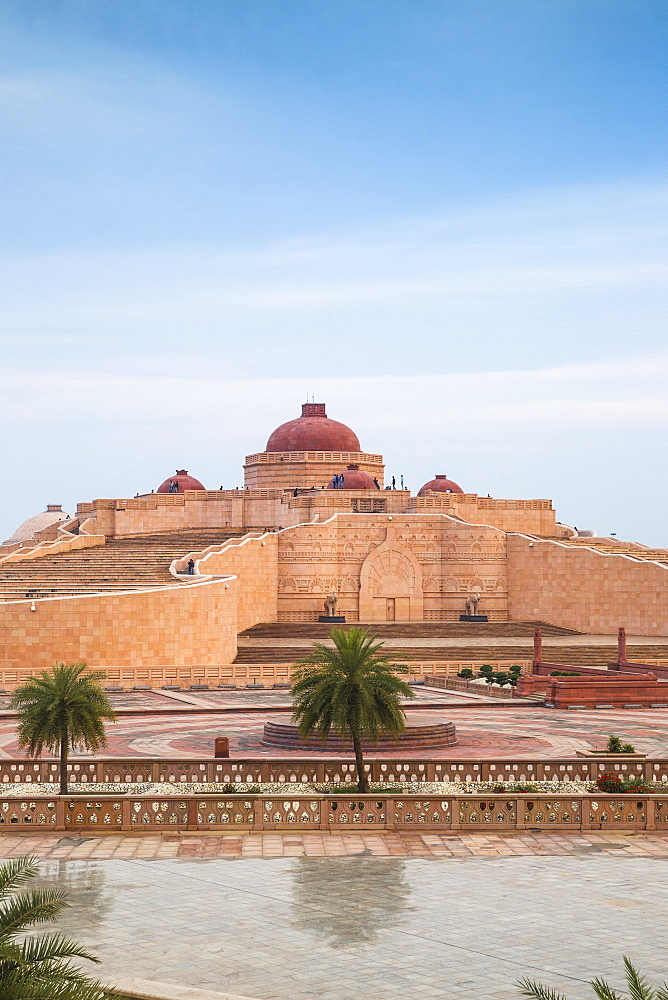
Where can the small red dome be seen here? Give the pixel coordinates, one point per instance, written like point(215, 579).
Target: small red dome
point(354, 479)
point(313, 431)
point(179, 483)
point(441, 484)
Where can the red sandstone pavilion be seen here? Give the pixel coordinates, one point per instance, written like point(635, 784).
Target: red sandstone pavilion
point(157, 588)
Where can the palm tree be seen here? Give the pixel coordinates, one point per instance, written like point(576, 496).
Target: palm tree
point(62, 709)
point(353, 689)
point(638, 988)
point(37, 968)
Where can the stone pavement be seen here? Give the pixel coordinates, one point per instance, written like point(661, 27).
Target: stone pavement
point(481, 733)
point(372, 928)
point(321, 845)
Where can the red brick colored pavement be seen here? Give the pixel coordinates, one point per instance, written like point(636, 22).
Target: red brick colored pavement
point(512, 732)
point(293, 845)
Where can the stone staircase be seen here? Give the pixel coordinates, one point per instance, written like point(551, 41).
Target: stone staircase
point(407, 630)
point(609, 546)
point(255, 645)
point(132, 563)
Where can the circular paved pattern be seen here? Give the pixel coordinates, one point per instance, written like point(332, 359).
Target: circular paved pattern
point(481, 733)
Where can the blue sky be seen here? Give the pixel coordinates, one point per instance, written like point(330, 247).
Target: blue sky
point(448, 219)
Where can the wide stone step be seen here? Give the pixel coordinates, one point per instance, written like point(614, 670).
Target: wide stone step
point(575, 656)
point(120, 564)
point(407, 630)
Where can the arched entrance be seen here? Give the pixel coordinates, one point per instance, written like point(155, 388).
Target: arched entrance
point(390, 584)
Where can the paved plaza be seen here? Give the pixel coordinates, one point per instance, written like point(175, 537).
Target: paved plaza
point(372, 928)
point(147, 847)
point(481, 732)
point(365, 915)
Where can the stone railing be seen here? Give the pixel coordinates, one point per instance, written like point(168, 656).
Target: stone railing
point(467, 686)
point(333, 813)
point(338, 769)
point(237, 674)
point(344, 457)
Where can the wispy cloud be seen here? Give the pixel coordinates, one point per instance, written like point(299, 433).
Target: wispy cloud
point(514, 350)
point(477, 290)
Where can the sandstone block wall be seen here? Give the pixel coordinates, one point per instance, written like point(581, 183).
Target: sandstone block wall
point(303, 469)
point(582, 589)
point(178, 625)
point(254, 563)
point(535, 517)
point(162, 512)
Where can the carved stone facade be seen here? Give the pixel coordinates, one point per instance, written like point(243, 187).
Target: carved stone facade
point(397, 568)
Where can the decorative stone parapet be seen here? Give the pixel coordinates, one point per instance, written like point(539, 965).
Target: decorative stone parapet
point(334, 813)
point(321, 769)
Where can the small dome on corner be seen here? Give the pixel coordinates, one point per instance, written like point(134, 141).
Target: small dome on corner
point(53, 514)
point(179, 483)
point(440, 484)
point(354, 479)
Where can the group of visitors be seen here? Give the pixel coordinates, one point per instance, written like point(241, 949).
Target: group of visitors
point(339, 483)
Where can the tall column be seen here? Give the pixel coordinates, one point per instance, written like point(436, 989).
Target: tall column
point(537, 646)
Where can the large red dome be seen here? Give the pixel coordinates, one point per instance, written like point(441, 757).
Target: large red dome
point(441, 484)
point(179, 483)
point(313, 431)
point(354, 479)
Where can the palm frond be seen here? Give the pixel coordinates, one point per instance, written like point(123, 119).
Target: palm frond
point(15, 873)
point(638, 987)
point(530, 988)
point(604, 990)
point(52, 986)
point(36, 906)
point(50, 947)
point(38, 968)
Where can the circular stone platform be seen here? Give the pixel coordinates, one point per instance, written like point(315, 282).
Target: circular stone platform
point(418, 734)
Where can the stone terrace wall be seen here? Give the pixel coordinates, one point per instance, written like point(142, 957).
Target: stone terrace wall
point(254, 562)
point(178, 625)
point(159, 512)
point(535, 517)
point(582, 589)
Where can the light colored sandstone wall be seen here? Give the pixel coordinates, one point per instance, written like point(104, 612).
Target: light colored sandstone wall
point(228, 509)
point(304, 469)
point(427, 565)
point(580, 588)
point(254, 563)
point(178, 625)
point(277, 507)
point(534, 517)
point(320, 505)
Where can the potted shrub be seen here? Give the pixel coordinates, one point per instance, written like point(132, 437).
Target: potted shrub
point(614, 748)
